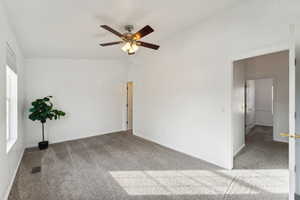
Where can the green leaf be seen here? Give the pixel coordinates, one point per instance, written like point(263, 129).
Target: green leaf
point(42, 110)
point(32, 110)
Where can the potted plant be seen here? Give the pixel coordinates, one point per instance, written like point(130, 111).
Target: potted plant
point(42, 110)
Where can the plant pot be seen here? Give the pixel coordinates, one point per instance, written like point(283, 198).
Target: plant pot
point(43, 145)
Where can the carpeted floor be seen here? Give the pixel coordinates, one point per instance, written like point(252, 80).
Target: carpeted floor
point(120, 166)
point(261, 152)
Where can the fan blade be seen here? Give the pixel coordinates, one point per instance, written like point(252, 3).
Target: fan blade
point(143, 32)
point(112, 30)
point(148, 45)
point(111, 43)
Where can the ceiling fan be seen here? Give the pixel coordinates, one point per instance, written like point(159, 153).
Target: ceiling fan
point(131, 40)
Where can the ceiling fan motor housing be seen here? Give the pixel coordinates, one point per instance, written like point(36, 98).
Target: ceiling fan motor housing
point(129, 28)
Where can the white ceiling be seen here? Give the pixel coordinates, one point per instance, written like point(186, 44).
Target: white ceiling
point(70, 28)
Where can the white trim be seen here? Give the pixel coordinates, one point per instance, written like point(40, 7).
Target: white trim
point(14, 176)
point(292, 109)
point(175, 149)
point(230, 119)
point(239, 149)
point(10, 144)
point(263, 124)
point(263, 110)
point(34, 145)
point(249, 128)
point(263, 51)
point(259, 52)
point(280, 140)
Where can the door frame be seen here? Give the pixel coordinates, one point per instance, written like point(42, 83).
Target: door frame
point(274, 102)
point(129, 106)
point(254, 53)
point(290, 46)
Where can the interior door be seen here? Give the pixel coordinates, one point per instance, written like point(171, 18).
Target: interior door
point(294, 105)
point(250, 105)
point(296, 46)
point(129, 105)
point(292, 111)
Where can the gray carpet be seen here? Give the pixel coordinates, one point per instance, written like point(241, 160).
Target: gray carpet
point(121, 166)
point(261, 152)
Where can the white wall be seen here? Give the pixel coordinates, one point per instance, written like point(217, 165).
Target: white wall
point(273, 66)
point(182, 94)
point(183, 91)
point(264, 101)
point(92, 93)
point(250, 114)
point(9, 161)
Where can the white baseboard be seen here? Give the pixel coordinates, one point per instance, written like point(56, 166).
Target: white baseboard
point(137, 134)
point(249, 127)
point(52, 141)
point(239, 149)
point(283, 140)
point(263, 124)
point(14, 176)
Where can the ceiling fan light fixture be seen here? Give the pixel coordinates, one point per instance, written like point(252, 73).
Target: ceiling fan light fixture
point(130, 40)
point(130, 47)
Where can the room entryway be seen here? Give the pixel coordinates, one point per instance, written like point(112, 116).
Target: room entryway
point(129, 106)
point(260, 114)
point(259, 104)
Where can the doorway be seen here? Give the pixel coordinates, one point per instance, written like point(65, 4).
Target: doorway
point(260, 113)
point(129, 105)
point(259, 101)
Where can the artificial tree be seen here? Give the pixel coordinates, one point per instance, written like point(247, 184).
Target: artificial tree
point(42, 110)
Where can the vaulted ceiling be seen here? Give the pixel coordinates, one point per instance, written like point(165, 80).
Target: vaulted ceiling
point(70, 28)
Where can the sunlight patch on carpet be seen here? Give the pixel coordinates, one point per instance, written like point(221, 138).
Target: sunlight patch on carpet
point(203, 182)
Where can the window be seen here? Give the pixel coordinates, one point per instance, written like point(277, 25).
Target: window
point(11, 108)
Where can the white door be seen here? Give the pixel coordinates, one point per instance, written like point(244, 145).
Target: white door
point(295, 45)
point(250, 105)
point(129, 105)
point(292, 112)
